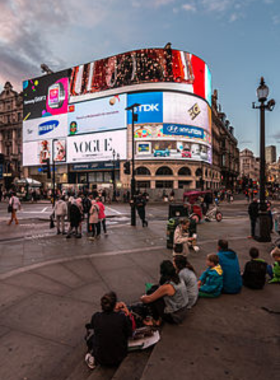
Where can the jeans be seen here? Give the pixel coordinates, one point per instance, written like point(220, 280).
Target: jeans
point(60, 220)
point(96, 227)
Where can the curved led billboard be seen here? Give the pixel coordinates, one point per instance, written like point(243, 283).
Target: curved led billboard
point(173, 89)
point(152, 67)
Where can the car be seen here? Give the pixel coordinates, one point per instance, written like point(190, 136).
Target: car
point(161, 153)
point(186, 154)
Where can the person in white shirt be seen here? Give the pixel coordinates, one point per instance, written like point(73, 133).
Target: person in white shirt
point(60, 210)
point(14, 206)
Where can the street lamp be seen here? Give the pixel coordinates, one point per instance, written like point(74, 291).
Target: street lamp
point(53, 174)
point(263, 221)
point(132, 183)
point(116, 157)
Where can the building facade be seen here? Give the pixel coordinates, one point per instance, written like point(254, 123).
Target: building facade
point(81, 119)
point(225, 150)
point(249, 165)
point(11, 108)
point(270, 154)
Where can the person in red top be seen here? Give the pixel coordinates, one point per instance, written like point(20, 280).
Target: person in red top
point(101, 215)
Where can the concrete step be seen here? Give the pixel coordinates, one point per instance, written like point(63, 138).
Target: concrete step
point(133, 365)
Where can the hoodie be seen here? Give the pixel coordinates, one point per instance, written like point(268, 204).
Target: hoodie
point(212, 281)
point(231, 271)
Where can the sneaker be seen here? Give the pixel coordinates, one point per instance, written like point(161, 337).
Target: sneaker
point(92, 238)
point(249, 237)
point(68, 237)
point(196, 248)
point(89, 359)
point(58, 233)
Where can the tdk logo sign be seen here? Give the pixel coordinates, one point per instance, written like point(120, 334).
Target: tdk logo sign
point(47, 127)
point(149, 108)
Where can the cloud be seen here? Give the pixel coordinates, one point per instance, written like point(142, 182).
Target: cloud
point(276, 19)
point(216, 5)
point(189, 7)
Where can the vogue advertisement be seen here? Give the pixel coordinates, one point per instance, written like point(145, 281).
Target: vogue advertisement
point(97, 146)
point(97, 115)
point(46, 96)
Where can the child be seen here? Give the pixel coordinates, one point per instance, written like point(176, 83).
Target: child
point(210, 283)
point(274, 271)
point(254, 271)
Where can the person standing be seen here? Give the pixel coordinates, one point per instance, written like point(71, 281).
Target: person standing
point(86, 207)
point(14, 206)
point(93, 220)
point(60, 210)
point(75, 218)
point(140, 204)
point(101, 215)
point(253, 211)
point(182, 238)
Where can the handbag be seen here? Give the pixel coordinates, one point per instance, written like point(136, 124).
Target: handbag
point(10, 207)
point(178, 248)
point(52, 223)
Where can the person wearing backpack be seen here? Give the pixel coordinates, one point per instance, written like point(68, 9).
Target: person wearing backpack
point(94, 221)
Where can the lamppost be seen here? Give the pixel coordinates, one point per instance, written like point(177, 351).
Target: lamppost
point(132, 183)
point(116, 158)
point(263, 221)
point(53, 172)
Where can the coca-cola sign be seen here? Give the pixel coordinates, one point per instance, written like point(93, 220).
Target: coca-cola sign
point(97, 146)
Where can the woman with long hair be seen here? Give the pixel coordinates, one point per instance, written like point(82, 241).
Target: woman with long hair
point(187, 274)
point(169, 300)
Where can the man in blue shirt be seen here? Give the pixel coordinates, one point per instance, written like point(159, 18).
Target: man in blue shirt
point(230, 265)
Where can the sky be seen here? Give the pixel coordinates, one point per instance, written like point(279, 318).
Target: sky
point(238, 39)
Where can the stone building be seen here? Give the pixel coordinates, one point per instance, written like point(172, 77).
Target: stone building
point(224, 145)
point(249, 165)
point(270, 154)
point(11, 106)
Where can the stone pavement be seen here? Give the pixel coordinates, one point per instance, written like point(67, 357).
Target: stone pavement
point(50, 287)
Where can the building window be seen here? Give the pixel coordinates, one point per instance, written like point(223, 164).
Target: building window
point(198, 172)
point(164, 184)
point(142, 170)
point(185, 171)
point(164, 171)
point(184, 184)
point(143, 185)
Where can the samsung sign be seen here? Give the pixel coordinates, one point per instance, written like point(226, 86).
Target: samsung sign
point(45, 128)
point(150, 109)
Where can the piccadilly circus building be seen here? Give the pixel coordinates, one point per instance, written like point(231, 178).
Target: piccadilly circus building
point(78, 118)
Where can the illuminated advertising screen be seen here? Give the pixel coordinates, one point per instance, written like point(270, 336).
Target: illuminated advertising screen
point(46, 96)
point(151, 67)
point(97, 146)
point(97, 115)
point(35, 153)
point(45, 128)
point(150, 109)
point(172, 141)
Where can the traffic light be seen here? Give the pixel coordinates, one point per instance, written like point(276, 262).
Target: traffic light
point(127, 167)
point(47, 168)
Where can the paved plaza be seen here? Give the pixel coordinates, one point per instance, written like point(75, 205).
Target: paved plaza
point(50, 287)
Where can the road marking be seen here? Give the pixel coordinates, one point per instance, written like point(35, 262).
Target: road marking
point(81, 257)
point(112, 209)
point(44, 209)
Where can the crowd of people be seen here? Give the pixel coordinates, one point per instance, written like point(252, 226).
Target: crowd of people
point(83, 209)
point(177, 291)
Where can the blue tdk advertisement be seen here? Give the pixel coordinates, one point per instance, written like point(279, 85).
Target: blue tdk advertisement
point(150, 109)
